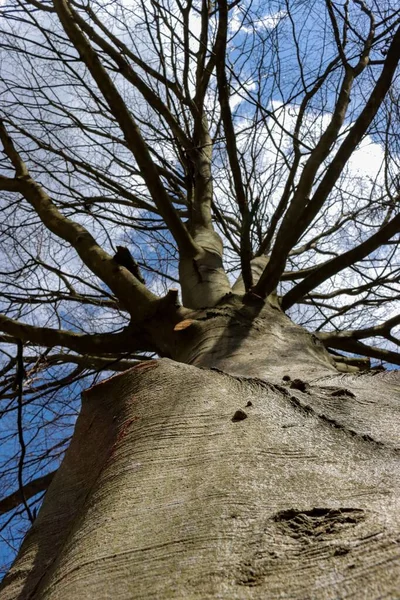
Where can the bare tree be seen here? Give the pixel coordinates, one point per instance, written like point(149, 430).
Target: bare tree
point(208, 193)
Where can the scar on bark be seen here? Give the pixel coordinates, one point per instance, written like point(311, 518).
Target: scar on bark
point(298, 384)
point(239, 415)
point(317, 522)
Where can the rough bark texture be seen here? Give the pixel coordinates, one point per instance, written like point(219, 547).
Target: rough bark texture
point(253, 339)
point(187, 482)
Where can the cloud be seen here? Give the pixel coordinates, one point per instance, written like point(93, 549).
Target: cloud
point(268, 21)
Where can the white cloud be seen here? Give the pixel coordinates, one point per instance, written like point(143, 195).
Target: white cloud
point(237, 97)
point(267, 21)
point(367, 159)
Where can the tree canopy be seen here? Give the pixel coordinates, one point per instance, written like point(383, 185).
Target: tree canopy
point(166, 154)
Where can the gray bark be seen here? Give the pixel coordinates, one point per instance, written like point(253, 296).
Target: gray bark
point(257, 471)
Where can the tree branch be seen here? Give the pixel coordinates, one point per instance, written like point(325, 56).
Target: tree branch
point(105, 343)
point(19, 379)
point(126, 70)
point(341, 262)
point(383, 329)
point(40, 484)
point(112, 363)
point(137, 299)
point(246, 253)
point(129, 127)
point(355, 347)
point(302, 211)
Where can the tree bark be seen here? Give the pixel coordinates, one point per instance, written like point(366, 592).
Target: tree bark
point(233, 477)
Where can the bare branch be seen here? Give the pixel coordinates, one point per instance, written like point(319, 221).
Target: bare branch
point(354, 346)
point(302, 210)
point(341, 262)
point(128, 125)
point(120, 281)
point(246, 253)
point(83, 343)
point(34, 487)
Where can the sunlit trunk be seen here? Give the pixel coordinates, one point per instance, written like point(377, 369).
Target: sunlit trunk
point(270, 477)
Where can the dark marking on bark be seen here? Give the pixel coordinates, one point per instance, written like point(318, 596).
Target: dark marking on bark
point(368, 438)
point(239, 415)
point(197, 270)
point(249, 403)
point(286, 378)
point(299, 384)
point(341, 551)
point(362, 436)
point(282, 390)
point(343, 392)
point(317, 523)
point(305, 408)
point(309, 410)
point(218, 371)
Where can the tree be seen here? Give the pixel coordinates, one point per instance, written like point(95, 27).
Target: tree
point(185, 191)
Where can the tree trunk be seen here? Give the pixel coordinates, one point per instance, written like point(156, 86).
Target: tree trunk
point(255, 472)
